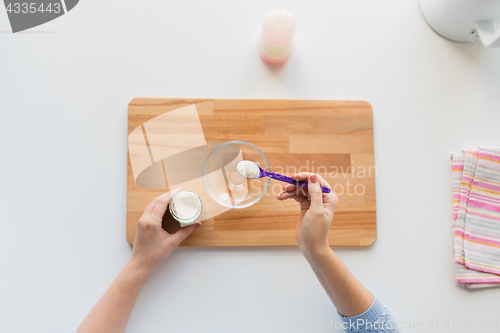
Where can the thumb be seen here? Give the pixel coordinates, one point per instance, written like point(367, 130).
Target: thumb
point(182, 234)
point(315, 193)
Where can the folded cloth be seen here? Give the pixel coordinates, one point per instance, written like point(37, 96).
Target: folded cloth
point(469, 278)
point(480, 285)
point(457, 169)
point(469, 169)
point(482, 223)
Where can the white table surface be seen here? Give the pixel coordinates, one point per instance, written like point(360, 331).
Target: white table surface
point(64, 91)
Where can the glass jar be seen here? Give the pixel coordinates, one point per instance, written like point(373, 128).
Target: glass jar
point(186, 207)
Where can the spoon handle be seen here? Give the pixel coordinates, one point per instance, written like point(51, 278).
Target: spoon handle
point(290, 180)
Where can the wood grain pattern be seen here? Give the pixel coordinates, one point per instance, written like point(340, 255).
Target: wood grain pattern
point(332, 138)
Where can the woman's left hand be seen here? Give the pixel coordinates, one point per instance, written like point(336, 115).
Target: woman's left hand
point(152, 244)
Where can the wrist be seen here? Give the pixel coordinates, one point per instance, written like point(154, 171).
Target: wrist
point(141, 271)
point(314, 252)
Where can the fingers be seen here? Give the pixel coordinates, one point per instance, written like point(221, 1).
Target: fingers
point(299, 193)
point(315, 193)
point(290, 191)
point(304, 176)
point(162, 202)
point(296, 189)
point(149, 209)
point(291, 195)
point(182, 234)
point(329, 198)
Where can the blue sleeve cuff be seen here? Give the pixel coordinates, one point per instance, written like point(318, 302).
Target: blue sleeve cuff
point(366, 319)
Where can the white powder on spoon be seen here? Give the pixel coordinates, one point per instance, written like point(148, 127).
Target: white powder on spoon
point(248, 169)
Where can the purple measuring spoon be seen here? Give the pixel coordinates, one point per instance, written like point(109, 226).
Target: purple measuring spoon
point(283, 178)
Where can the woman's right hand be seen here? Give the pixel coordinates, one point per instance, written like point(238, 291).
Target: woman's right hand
point(316, 211)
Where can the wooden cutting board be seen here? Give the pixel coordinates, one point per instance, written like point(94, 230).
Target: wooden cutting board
point(332, 138)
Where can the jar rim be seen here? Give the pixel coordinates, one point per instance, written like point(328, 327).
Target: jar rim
point(193, 218)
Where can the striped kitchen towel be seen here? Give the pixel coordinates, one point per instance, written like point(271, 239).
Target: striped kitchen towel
point(469, 278)
point(482, 223)
point(457, 169)
point(469, 169)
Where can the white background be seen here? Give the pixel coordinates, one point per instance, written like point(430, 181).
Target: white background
point(64, 91)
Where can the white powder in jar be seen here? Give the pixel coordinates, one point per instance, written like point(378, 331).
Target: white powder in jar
point(186, 205)
point(248, 169)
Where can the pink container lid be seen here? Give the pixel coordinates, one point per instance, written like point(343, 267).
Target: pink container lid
point(278, 27)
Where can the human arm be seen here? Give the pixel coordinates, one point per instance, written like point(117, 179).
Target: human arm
point(360, 311)
point(348, 295)
point(152, 245)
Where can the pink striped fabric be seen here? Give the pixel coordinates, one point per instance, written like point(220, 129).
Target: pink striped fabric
point(457, 168)
point(476, 203)
point(482, 231)
point(468, 171)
